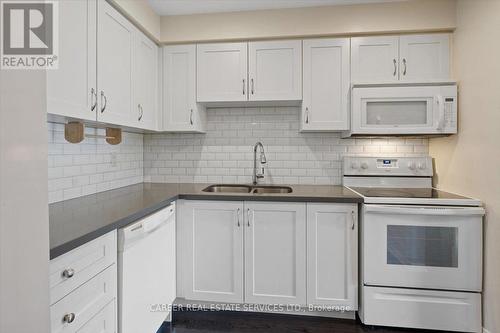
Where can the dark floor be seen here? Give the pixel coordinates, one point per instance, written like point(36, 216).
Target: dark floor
point(242, 322)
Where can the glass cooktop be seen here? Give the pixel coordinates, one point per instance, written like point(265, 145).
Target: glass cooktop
point(427, 193)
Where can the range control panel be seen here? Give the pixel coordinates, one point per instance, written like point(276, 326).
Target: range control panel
point(388, 166)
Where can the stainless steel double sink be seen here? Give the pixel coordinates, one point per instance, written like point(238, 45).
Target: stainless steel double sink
point(256, 189)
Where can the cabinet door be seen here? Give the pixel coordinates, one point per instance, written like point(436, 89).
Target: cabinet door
point(332, 255)
point(424, 57)
point(103, 322)
point(375, 59)
point(325, 106)
point(212, 247)
point(222, 72)
point(71, 89)
point(145, 86)
point(275, 70)
point(181, 113)
point(115, 35)
point(275, 253)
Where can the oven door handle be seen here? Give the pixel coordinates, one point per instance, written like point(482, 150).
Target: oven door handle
point(424, 210)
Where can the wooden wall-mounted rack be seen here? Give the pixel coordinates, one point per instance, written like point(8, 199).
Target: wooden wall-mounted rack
point(74, 132)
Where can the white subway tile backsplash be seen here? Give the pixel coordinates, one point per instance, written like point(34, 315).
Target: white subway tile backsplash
point(224, 153)
point(93, 165)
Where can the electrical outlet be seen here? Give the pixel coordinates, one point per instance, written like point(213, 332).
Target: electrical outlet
point(114, 160)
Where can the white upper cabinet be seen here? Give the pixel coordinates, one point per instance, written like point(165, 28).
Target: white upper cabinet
point(332, 255)
point(275, 253)
point(222, 72)
point(71, 89)
point(274, 70)
point(145, 82)
point(375, 59)
point(424, 57)
point(405, 58)
point(181, 113)
point(325, 106)
point(115, 38)
point(211, 247)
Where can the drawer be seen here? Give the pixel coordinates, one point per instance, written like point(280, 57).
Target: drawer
point(83, 262)
point(416, 308)
point(85, 302)
point(103, 322)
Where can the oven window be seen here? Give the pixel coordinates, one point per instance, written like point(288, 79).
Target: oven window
point(422, 246)
point(396, 113)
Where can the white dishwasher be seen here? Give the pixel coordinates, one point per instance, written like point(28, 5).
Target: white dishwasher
point(146, 272)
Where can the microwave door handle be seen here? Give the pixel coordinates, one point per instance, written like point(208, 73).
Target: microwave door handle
point(440, 102)
point(424, 210)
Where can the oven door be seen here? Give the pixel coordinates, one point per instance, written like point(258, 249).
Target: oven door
point(403, 110)
point(435, 247)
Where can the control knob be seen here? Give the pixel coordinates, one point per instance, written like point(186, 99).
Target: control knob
point(422, 166)
point(364, 165)
point(354, 165)
point(412, 165)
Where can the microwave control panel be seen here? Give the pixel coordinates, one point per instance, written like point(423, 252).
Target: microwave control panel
point(450, 114)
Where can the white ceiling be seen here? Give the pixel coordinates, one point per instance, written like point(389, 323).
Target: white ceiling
point(185, 7)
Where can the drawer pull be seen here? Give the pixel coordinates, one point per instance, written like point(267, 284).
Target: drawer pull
point(69, 318)
point(68, 273)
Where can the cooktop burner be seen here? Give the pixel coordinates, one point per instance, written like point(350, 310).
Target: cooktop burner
point(427, 193)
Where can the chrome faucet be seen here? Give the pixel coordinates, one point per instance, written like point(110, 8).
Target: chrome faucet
point(256, 175)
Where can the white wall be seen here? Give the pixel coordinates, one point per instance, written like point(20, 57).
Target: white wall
point(225, 152)
point(141, 13)
point(395, 17)
point(24, 225)
point(93, 165)
point(468, 162)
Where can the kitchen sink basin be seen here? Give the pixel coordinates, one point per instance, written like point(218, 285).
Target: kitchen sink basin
point(228, 189)
point(272, 189)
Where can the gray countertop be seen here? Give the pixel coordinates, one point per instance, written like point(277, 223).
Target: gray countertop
point(77, 221)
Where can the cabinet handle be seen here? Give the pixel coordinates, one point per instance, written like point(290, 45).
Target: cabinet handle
point(248, 217)
point(105, 101)
point(395, 67)
point(141, 112)
point(68, 273)
point(191, 117)
point(404, 68)
point(69, 318)
point(353, 218)
point(238, 216)
point(252, 85)
point(243, 86)
point(93, 96)
point(307, 115)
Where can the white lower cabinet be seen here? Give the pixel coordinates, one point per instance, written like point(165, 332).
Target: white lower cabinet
point(332, 252)
point(268, 252)
point(84, 288)
point(275, 253)
point(211, 234)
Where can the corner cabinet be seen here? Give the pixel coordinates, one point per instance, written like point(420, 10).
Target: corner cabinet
point(326, 81)
point(145, 82)
point(405, 58)
point(111, 65)
point(181, 112)
point(332, 252)
point(268, 252)
point(254, 71)
point(275, 253)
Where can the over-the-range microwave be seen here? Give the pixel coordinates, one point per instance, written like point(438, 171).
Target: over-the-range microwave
point(417, 109)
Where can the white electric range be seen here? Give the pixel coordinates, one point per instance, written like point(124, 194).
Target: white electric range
point(421, 248)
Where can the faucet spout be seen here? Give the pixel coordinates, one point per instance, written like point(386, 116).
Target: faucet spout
point(262, 160)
